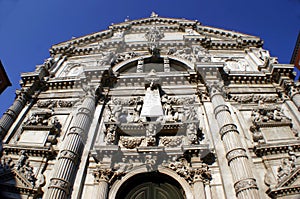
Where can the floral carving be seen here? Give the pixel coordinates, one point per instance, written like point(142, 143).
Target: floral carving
point(252, 98)
point(190, 174)
point(103, 174)
point(55, 103)
point(131, 142)
point(171, 141)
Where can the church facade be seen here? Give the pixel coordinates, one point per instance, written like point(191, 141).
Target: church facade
point(154, 108)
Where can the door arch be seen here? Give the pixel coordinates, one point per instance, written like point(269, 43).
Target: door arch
point(153, 185)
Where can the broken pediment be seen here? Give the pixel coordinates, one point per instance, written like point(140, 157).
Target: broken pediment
point(289, 187)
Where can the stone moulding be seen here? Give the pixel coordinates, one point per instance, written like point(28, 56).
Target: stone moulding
point(36, 151)
point(276, 148)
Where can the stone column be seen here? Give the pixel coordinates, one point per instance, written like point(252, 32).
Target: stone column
point(11, 114)
point(68, 157)
point(294, 94)
point(102, 177)
point(199, 190)
point(201, 175)
point(244, 183)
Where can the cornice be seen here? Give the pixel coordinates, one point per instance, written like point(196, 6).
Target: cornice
point(230, 39)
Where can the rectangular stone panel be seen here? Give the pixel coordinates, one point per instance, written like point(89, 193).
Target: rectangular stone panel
point(33, 137)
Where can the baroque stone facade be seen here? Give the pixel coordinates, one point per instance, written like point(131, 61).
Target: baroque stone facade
point(155, 106)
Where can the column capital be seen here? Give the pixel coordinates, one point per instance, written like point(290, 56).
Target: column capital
point(215, 87)
point(202, 174)
point(103, 174)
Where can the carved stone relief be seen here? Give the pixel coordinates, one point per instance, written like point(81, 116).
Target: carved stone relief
point(56, 103)
point(265, 117)
point(153, 36)
point(253, 98)
point(192, 54)
point(120, 57)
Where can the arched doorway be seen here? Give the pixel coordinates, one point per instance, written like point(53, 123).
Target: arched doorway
point(152, 185)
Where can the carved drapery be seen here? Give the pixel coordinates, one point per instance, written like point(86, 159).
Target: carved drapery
point(68, 157)
point(245, 184)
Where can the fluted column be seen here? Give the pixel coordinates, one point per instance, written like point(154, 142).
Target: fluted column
point(102, 177)
point(244, 182)
point(294, 94)
point(11, 114)
point(68, 157)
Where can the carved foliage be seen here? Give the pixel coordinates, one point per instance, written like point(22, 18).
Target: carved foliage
point(103, 174)
point(254, 98)
point(171, 141)
point(190, 174)
point(131, 142)
point(55, 103)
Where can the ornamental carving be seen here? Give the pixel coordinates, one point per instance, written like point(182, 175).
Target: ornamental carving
point(245, 184)
point(116, 110)
point(171, 141)
point(22, 166)
point(236, 153)
point(268, 114)
point(151, 132)
point(190, 174)
point(192, 134)
point(110, 137)
point(42, 119)
point(153, 36)
point(227, 128)
point(120, 57)
point(293, 90)
point(287, 166)
point(253, 98)
point(103, 174)
point(68, 155)
point(60, 184)
point(131, 142)
point(194, 54)
point(56, 103)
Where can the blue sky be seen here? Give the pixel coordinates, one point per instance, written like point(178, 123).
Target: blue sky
point(28, 28)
